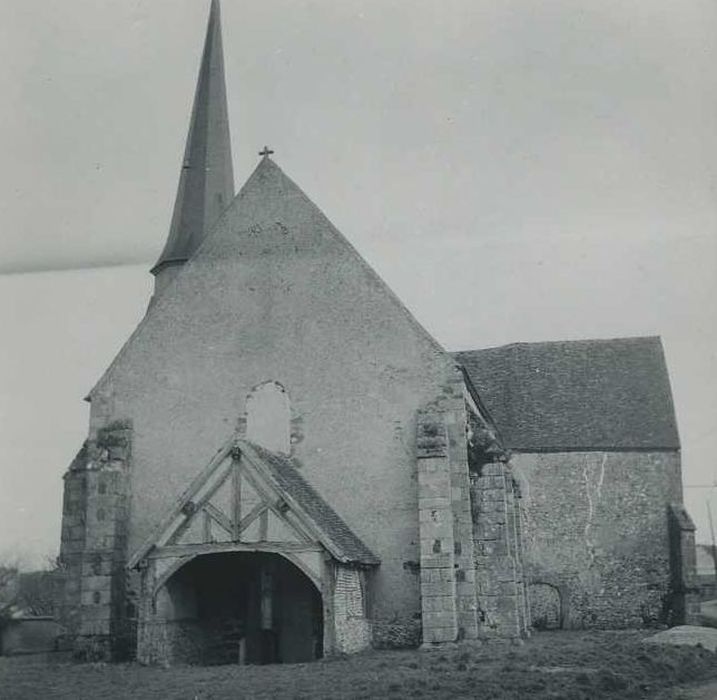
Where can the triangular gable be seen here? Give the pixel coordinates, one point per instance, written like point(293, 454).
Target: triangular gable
point(269, 211)
point(245, 495)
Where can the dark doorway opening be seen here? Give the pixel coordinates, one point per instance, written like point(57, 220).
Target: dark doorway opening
point(545, 606)
point(242, 608)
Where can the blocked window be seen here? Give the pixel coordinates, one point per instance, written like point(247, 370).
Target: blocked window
point(268, 416)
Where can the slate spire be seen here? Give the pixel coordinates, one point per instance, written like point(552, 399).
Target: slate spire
point(206, 181)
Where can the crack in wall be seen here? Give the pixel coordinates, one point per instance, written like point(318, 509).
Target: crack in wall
point(592, 503)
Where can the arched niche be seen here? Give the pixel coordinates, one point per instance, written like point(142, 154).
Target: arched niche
point(546, 606)
point(268, 417)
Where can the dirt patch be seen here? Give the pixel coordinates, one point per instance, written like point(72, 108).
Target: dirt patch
point(607, 665)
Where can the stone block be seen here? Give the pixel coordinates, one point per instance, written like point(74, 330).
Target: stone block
point(465, 588)
point(432, 531)
point(436, 635)
point(437, 561)
point(430, 489)
point(92, 628)
point(439, 619)
point(445, 588)
point(429, 604)
point(446, 574)
point(430, 575)
point(466, 604)
point(434, 503)
point(492, 469)
point(91, 611)
point(448, 602)
point(469, 573)
point(97, 583)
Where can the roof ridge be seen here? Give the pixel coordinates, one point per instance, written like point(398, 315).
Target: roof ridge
point(575, 341)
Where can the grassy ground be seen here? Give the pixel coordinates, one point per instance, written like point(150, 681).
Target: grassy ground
point(567, 665)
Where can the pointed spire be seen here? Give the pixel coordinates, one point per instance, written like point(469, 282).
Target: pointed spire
point(206, 181)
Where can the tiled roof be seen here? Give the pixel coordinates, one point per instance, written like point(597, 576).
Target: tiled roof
point(285, 472)
point(586, 394)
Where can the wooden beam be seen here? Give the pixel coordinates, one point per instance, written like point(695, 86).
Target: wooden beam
point(199, 505)
point(207, 527)
point(201, 478)
point(268, 493)
point(253, 459)
point(248, 519)
point(183, 550)
point(264, 524)
point(292, 522)
point(219, 517)
point(236, 497)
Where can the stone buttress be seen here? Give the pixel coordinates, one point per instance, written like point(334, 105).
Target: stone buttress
point(472, 581)
point(94, 605)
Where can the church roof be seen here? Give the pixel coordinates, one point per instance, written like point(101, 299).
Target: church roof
point(574, 395)
point(281, 481)
point(284, 471)
point(206, 180)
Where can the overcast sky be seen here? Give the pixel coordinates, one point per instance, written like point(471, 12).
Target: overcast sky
point(515, 170)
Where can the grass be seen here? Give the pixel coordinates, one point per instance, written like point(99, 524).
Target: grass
point(564, 665)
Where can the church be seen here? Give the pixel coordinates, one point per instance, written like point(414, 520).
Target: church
point(282, 464)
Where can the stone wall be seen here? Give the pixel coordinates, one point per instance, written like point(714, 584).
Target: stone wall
point(93, 609)
point(502, 604)
point(471, 570)
point(685, 603)
point(296, 306)
point(447, 573)
point(352, 631)
point(596, 529)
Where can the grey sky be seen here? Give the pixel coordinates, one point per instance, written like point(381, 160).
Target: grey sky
point(515, 170)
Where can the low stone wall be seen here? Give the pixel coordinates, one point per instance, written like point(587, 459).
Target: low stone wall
point(28, 635)
point(167, 642)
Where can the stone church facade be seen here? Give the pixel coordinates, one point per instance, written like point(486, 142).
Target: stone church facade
point(283, 464)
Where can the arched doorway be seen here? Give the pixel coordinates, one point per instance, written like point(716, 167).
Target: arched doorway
point(545, 606)
point(241, 607)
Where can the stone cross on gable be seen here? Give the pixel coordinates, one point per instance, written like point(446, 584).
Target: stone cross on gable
point(265, 152)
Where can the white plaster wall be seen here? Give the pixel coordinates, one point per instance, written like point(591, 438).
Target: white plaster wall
point(277, 294)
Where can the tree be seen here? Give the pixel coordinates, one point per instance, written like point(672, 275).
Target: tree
point(8, 591)
point(29, 593)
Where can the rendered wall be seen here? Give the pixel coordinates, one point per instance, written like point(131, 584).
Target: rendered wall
point(596, 528)
point(277, 294)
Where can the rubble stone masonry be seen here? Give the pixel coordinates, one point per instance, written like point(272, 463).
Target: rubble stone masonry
point(93, 610)
point(597, 530)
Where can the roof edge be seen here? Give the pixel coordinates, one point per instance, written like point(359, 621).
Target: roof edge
point(612, 448)
point(525, 343)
